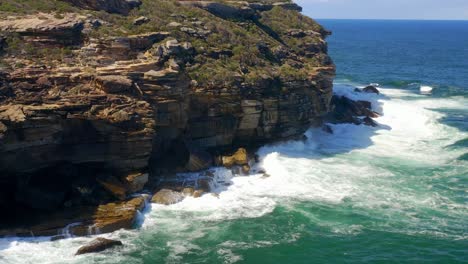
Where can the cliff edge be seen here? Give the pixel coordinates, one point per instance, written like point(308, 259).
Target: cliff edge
point(98, 96)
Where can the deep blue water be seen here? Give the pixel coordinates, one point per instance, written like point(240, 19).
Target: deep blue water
point(402, 53)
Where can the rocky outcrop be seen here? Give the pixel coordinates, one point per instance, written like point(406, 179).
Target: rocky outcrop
point(46, 28)
point(112, 6)
point(239, 9)
point(167, 197)
point(97, 245)
point(82, 221)
point(346, 110)
point(238, 158)
point(125, 105)
point(371, 89)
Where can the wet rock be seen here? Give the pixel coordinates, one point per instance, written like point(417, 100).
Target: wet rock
point(245, 169)
point(59, 237)
point(327, 129)
point(198, 193)
point(369, 122)
point(209, 174)
point(238, 158)
point(371, 89)
point(84, 220)
point(346, 110)
point(167, 197)
point(114, 187)
point(204, 185)
point(188, 191)
point(136, 182)
point(97, 245)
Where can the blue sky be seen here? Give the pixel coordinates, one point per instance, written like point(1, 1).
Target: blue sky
point(386, 9)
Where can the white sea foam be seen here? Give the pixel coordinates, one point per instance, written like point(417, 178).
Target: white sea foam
point(357, 164)
point(424, 89)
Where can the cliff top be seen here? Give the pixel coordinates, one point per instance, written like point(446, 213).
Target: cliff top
point(256, 39)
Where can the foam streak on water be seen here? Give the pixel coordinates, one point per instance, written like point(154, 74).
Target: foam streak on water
point(399, 179)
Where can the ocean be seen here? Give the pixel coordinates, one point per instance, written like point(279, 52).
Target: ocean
point(397, 193)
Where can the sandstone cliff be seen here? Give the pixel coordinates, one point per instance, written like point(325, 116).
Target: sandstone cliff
point(93, 92)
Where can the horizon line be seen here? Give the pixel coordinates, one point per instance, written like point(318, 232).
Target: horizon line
point(392, 19)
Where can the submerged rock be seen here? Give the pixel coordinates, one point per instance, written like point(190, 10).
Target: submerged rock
point(328, 129)
point(371, 89)
point(97, 245)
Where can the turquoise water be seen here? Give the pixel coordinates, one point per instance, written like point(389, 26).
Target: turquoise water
point(397, 193)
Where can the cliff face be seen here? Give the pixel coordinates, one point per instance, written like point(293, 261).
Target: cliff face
point(88, 97)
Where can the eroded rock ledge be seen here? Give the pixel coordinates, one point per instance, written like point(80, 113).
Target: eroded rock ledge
point(92, 107)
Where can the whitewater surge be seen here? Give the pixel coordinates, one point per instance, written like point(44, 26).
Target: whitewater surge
point(388, 177)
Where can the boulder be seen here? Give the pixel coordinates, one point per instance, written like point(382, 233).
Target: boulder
point(114, 187)
point(97, 245)
point(174, 24)
point(371, 89)
point(240, 158)
point(167, 197)
point(114, 216)
point(141, 20)
point(136, 182)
